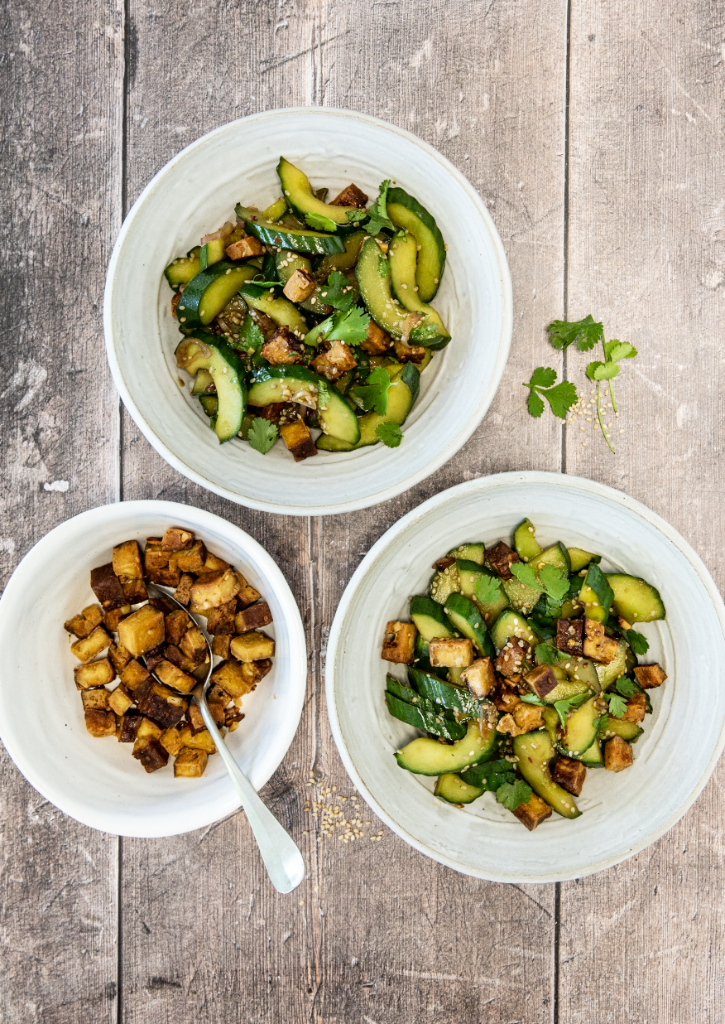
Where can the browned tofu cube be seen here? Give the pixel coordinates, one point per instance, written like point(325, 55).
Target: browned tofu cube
point(126, 562)
point(570, 636)
point(96, 700)
point(135, 591)
point(112, 617)
point(119, 656)
point(142, 630)
point(299, 286)
point(501, 557)
point(168, 577)
point(221, 619)
point(399, 643)
point(479, 677)
point(377, 341)
point(505, 697)
point(232, 719)
point(541, 680)
point(129, 725)
point(214, 564)
point(176, 538)
point(230, 677)
point(148, 730)
point(507, 724)
point(175, 677)
point(617, 754)
point(162, 705)
point(244, 249)
point(195, 719)
point(95, 673)
point(218, 714)
point(636, 708)
point(298, 439)
point(335, 362)
point(406, 353)
point(515, 658)
point(283, 348)
point(649, 676)
point(120, 700)
point(183, 591)
point(568, 773)
point(107, 587)
point(197, 741)
point(88, 647)
point(173, 654)
point(193, 645)
point(156, 656)
point(254, 617)
point(134, 676)
point(247, 594)
point(176, 624)
point(220, 645)
point(171, 740)
point(151, 754)
point(533, 813)
point(351, 196)
point(448, 653)
point(154, 556)
point(190, 764)
point(252, 647)
point(528, 717)
point(214, 589)
point(83, 625)
point(100, 723)
point(597, 645)
point(191, 560)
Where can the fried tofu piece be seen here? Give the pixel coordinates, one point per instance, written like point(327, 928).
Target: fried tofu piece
point(126, 561)
point(87, 648)
point(252, 647)
point(107, 587)
point(406, 353)
point(154, 556)
point(479, 677)
point(176, 538)
point(142, 630)
point(451, 652)
point(247, 594)
point(190, 764)
point(163, 706)
point(120, 700)
point(300, 286)
point(597, 645)
point(245, 248)
point(100, 723)
point(95, 699)
point(220, 645)
point(213, 563)
point(173, 654)
point(175, 677)
point(129, 725)
point(151, 754)
point(171, 740)
point(190, 560)
point(83, 625)
point(377, 340)
point(649, 676)
point(195, 718)
point(214, 589)
point(507, 725)
point(233, 680)
point(636, 708)
point(176, 624)
point(119, 656)
point(528, 717)
point(335, 362)
point(351, 196)
point(617, 754)
point(570, 636)
point(568, 773)
point(297, 437)
point(501, 557)
point(221, 619)
point(95, 673)
point(505, 698)
point(515, 658)
point(183, 590)
point(197, 741)
point(283, 348)
point(232, 719)
point(399, 643)
point(135, 591)
point(134, 676)
point(112, 618)
point(533, 813)
point(541, 680)
point(193, 645)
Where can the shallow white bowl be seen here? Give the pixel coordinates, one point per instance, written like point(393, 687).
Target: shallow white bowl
point(623, 812)
point(97, 781)
point(194, 194)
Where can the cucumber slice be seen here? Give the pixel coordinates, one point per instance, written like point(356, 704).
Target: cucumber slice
point(592, 757)
point(182, 270)
point(208, 293)
point(425, 756)
point(469, 553)
point(209, 352)
point(565, 688)
point(283, 237)
point(277, 307)
point(429, 618)
point(210, 405)
point(611, 726)
point(469, 573)
point(401, 398)
point(590, 603)
point(373, 277)
point(402, 257)
point(203, 383)
point(635, 599)
point(299, 195)
point(466, 619)
point(579, 558)
point(582, 727)
point(510, 624)
point(276, 210)
point(534, 751)
point(454, 790)
point(406, 212)
point(212, 252)
point(527, 547)
point(298, 384)
point(422, 654)
point(286, 263)
point(422, 715)
point(583, 671)
point(608, 674)
point(344, 260)
point(521, 598)
point(444, 583)
point(557, 556)
point(454, 698)
point(491, 609)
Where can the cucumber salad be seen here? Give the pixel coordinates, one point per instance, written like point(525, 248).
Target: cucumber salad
point(522, 672)
point(311, 316)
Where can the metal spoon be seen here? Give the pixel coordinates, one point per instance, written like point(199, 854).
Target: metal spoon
point(282, 858)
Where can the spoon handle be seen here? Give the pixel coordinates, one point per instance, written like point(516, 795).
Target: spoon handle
point(282, 858)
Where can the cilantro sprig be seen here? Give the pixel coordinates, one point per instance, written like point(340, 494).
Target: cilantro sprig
point(513, 794)
point(608, 370)
point(638, 642)
point(262, 434)
point(389, 433)
point(338, 292)
point(251, 338)
point(549, 580)
point(562, 707)
point(379, 212)
point(500, 777)
point(560, 398)
point(488, 589)
point(586, 333)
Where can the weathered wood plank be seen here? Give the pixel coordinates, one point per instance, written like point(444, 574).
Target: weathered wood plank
point(645, 257)
point(61, 70)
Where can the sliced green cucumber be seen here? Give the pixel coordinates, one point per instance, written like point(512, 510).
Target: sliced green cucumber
point(635, 599)
point(490, 610)
point(565, 688)
point(203, 383)
point(182, 270)
point(344, 260)
point(422, 654)
point(610, 726)
point(534, 751)
point(609, 674)
point(210, 405)
point(206, 295)
point(581, 730)
point(421, 716)
point(300, 196)
point(373, 277)
point(590, 603)
point(467, 620)
point(429, 618)
point(470, 553)
point(556, 555)
point(508, 624)
point(583, 671)
point(592, 757)
point(283, 237)
point(579, 558)
point(469, 573)
point(298, 384)
point(209, 352)
point(276, 211)
point(402, 395)
point(522, 598)
point(425, 756)
point(212, 252)
point(442, 694)
point(444, 583)
point(454, 790)
point(525, 541)
point(277, 307)
point(286, 263)
point(402, 256)
point(406, 212)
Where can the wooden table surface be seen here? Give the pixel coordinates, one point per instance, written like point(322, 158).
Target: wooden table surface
point(594, 132)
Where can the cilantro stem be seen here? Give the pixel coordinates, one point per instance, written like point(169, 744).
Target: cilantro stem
point(599, 417)
point(611, 386)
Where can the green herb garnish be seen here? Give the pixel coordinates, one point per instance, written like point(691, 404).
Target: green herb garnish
point(560, 398)
point(262, 434)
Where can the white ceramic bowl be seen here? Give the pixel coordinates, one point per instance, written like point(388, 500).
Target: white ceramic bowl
point(623, 812)
point(193, 195)
point(97, 781)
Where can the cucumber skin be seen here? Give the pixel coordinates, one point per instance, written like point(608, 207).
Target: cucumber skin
point(628, 607)
point(311, 242)
point(535, 770)
point(432, 758)
point(399, 197)
point(453, 790)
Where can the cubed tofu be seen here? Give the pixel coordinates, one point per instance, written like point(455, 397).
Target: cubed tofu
point(100, 723)
point(221, 619)
point(126, 561)
point(568, 773)
point(107, 587)
point(112, 617)
point(232, 679)
point(541, 680)
point(148, 729)
point(636, 708)
point(171, 740)
point(134, 676)
point(376, 341)
point(214, 589)
point(151, 754)
point(335, 362)
point(119, 656)
point(505, 698)
point(214, 564)
point(254, 617)
point(129, 725)
point(516, 657)
point(507, 725)
point(176, 624)
point(252, 647)
point(299, 286)
point(193, 645)
point(298, 439)
point(351, 196)
point(163, 706)
point(533, 813)
point(190, 764)
point(617, 754)
point(142, 630)
point(190, 560)
point(175, 677)
point(87, 648)
point(597, 645)
point(399, 643)
point(501, 557)
point(570, 636)
point(154, 556)
point(220, 645)
point(176, 538)
point(406, 353)
point(283, 348)
point(528, 716)
point(450, 653)
point(232, 719)
point(83, 625)
point(649, 676)
point(197, 741)
point(479, 677)
point(183, 590)
point(247, 594)
point(195, 719)
point(96, 700)
point(95, 673)
point(173, 654)
point(135, 591)
point(244, 248)
point(120, 700)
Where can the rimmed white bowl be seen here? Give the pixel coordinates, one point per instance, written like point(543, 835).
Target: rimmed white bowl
point(623, 812)
point(194, 194)
point(97, 781)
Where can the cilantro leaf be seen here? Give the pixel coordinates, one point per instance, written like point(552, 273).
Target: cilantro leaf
point(490, 775)
point(602, 371)
point(555, 581)
point(638, 642)
point(586, 333)
point(389, 433)
point(560, 398)
point(617, 704)
point(531, 698)
point(535, 404)
point(251, 338)
point(525, 574)
point(262, 434)
point(512, 795)
point(488, 589)
point(320, 223)
point(355, 216)
point(338, 293)
point(597, 581)
point(543, 377)
point(625, 686)
point(616, 350)
point(545, 654)
point(563, 707)
point(350, 327)
point(373, 395)
point(379, 211)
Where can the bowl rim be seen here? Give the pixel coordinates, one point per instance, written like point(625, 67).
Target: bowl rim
point(481, 483)
point(273, 576)
point(386, 493)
